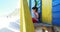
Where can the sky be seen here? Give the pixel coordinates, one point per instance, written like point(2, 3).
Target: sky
point(8, 6)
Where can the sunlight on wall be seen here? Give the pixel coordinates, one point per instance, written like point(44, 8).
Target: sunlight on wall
point(9, 15)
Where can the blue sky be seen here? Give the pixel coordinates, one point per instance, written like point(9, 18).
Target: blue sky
point(7, 6)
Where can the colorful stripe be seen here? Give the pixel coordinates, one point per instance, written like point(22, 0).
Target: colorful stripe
point(26, 24)
point(47, 11)
point(56, 12)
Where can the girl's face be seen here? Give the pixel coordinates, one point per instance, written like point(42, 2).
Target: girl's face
point(34, 10)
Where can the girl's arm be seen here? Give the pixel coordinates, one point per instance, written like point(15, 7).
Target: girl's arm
point(37, 15)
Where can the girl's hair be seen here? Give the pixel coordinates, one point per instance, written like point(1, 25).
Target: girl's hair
point(35, 8)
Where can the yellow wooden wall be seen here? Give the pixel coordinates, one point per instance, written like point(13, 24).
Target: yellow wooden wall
point(26, 24)
point(47, 11)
